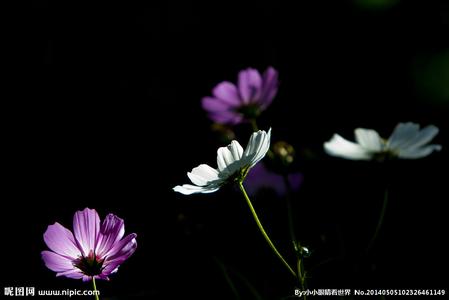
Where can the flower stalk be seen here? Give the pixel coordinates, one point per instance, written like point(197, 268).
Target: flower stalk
point(296, 245)
point(262, 230)
point(95, 288)
point(380, 222)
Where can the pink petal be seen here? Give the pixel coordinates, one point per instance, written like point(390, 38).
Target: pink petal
point(122, 249)
point(226, 117)
point(112, 231)
point(56, 262)
point(61, 240)
point(112, 266)
point(250, 84)
point(74, 274)
point(270, 87)
point(215, 105)
point(86, 226)
point(228, 93)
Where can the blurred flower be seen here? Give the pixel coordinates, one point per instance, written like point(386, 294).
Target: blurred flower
point(233, 104)
point(407, 141)
point(375, 4)
point(284, 153)
point(233, 165)
point(92, 251)
point(260, 178)
point(224, 133)
point(431, 72)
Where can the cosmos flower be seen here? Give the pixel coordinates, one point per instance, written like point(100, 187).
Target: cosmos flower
point(233, 104)
point(233, 165)
point(93, 250)
point(407, 141)
point(260, 177)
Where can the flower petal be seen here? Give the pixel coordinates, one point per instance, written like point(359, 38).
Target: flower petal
point(112, 267)
point(340, 147)
point(188, 189)
point(269, 87)
point(214, 105)
point(74, 274)
point(424, 136)
point(413, 153)
point(250, 84)
point(56, 262)
point(203, 175)
point(228, 158)
point(86, 226)
point(228, 93)
point(368, 139)
point(257, 147)
point(122, 249)
point(260, 178)
point(226, 117)
point(402, 133)
point(61, 240)
point(111, 231)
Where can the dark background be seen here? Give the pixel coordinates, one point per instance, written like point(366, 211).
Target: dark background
point(101, 109)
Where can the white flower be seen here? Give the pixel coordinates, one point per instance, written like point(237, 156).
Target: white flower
point(407, 141)
point(233, 164)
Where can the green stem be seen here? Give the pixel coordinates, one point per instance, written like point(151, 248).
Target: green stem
point(301, 276)
point(296, 244)
point(290, 213)
point(249, 285)
point(262, 230)
point(380, 222)
point(228, 278)
point(95, 288)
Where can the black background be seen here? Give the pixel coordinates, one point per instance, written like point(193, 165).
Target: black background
point(101, 109)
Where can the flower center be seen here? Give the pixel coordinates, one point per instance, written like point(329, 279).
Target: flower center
point(249, 111)
point(385, 155)
point(239, 175)
point(90, 265)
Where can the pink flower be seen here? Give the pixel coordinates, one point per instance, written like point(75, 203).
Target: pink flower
point(93, 250)
point(233, 104)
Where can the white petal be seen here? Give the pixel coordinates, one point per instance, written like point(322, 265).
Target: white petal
point(422, 137)
point(236, 150)
point(228, 158)
point(369, 139)
point(188, 189)
point(258, 147)
point(262, 149)
point(402, 133)
point(253, 144)
point(202, 175)
point(413, 153)
point(340, 147)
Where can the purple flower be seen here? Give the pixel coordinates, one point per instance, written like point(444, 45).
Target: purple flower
point(260, 177)
point(93, 250)
point(233, 104)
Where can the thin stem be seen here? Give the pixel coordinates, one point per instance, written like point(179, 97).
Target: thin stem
point(290, 213)
point(248, 284)
point(380, 222)
point(296, 245)
point(262, 230)
point(254, 124)
point(228, 278)
point(95, 288)
point(301, 276)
